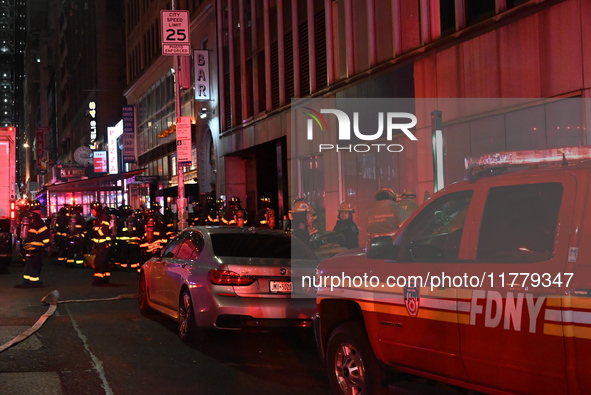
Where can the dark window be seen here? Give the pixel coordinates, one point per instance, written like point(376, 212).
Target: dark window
point(435, 234)
point(447, 16)
point(171, 248)
point(478, 10)
point(257, 245)
point(519, 223)
point(515, 3)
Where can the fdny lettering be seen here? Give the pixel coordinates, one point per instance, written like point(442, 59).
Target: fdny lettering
point(509, 311)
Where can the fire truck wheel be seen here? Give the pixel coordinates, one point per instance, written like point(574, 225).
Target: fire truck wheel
point(142, 296)
point(351, 364)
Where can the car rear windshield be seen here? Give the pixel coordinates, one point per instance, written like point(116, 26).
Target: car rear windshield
point(253, 245)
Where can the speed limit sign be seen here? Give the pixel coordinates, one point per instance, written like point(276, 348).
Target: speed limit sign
point(175, 32)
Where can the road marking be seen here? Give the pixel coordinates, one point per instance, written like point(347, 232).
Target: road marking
point(96, 362)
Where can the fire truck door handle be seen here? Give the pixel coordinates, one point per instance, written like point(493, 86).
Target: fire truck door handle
point(582, 292)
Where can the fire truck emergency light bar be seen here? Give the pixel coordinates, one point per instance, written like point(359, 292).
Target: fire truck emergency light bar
point(531, 157)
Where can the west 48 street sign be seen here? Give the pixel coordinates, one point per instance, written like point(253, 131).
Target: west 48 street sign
point(175, 32)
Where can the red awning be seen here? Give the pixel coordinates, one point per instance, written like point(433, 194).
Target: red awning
point(103, 183)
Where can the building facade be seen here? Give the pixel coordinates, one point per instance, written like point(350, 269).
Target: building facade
point(525, 61)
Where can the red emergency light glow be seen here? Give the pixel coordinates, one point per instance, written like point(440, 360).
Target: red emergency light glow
point(531, 157)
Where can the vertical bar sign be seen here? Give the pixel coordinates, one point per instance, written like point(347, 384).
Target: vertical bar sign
point(201, 59)
point(128, 135)
point(183, 141)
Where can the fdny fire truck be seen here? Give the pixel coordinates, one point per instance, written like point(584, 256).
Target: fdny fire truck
point(487, 286)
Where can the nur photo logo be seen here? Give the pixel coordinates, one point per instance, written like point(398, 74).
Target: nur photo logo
point(390, 123)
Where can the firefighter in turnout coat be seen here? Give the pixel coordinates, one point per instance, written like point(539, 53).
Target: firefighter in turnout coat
point(61, 234)
point(101, 242)
point(35, 236)
point(154, 235)
point(76, 234)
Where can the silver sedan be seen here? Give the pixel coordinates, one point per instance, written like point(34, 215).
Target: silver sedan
point(230, 278)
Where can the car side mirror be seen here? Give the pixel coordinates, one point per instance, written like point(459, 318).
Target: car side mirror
point(382, 247)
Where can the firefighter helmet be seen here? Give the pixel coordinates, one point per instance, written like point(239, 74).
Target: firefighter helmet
point(300, 206)
point(409, 193)
point(156, 206)
point(127, 209)
point(234, 201)
point(35, 205)
point(265, 201)
point(97, 206)
point(219, 202)
point(346, 206)
point(149, 213)
point(385, 193)
point(77, 208)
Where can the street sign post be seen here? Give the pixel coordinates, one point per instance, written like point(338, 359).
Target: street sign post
point(175, 32)
point(176, 42)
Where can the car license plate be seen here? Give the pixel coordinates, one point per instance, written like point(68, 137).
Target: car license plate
point(280, 287)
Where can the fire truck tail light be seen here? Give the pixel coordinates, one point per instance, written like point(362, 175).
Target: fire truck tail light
point(531, 157)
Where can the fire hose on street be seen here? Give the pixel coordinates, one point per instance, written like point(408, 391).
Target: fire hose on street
point(52, 299)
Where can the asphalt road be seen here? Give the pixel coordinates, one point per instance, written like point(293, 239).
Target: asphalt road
point(108, 347)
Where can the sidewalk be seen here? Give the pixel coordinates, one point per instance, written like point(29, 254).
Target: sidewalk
point(20, 308)
point(71, 283)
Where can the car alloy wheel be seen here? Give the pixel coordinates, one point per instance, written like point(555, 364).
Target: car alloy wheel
point(186, 317)
point(142, 296)
point(351, 364)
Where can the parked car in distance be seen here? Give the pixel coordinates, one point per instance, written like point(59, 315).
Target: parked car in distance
point(229, 278)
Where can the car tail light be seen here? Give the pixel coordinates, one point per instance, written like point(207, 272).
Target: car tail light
point(228, 277)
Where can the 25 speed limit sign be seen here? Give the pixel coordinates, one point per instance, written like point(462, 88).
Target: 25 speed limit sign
point(175, 32)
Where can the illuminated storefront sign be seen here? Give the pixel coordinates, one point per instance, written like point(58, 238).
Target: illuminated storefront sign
point(92, 113)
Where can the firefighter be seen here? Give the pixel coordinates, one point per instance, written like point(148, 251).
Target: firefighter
point(209, 216)
point(35, 237)
point(196, 214)
point(154, 238)
point(101, 242)
point(129, 236)
point(385, 216)
point(75, 239)
point(269, 219)
point(169, 223)
point(261, 219)
point(212, 216)
point(299, 220)
point(346, 225)
point(123, 237)
point(61, 234)
point(408, 201)
point(234, 205)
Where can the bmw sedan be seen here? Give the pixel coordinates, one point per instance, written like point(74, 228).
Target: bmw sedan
point(230, 278)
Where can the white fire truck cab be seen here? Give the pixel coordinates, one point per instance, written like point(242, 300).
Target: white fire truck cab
point(487, 285)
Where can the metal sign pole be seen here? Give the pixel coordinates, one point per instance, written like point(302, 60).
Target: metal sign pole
point(181, 200)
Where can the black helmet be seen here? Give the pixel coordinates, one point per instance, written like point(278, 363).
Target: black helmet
point(156, 206)
point(265, 201)
point(35, 205)
point(234, 201)
point(220, 202)
point(77, 208)
point(149, 213)
point(96, 205)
